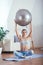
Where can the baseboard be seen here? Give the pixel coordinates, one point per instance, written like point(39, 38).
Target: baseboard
point(38, 47)
point(7, 51)
point(12, 51)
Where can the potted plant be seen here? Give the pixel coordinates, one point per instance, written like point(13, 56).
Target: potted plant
point(2, 35)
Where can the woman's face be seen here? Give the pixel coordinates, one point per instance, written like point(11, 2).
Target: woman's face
point(24, 32)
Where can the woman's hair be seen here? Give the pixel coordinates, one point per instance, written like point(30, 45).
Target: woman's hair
point(24, 30)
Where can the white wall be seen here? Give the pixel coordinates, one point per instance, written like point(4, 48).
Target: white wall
point(34, 6)
point(37, 23)
point(5, 6)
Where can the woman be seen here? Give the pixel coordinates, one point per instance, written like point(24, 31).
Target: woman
point(25, 40)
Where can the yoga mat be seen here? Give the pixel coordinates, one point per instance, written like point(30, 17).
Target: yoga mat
point(21, 59)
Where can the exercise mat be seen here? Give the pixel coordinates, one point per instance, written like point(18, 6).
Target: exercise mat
point(24, 58)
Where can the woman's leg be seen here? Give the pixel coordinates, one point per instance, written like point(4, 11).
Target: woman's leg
point(18, 54)
point(29, 52)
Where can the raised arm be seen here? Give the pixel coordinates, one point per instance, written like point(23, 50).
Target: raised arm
point(17, 33)
point(30, 34)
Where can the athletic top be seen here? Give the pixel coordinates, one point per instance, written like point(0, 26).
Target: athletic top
point(26, 42)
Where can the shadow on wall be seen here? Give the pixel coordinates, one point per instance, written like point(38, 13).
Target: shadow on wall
point(16, 38)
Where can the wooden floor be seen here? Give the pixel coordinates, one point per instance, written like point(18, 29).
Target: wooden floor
point(37, 61)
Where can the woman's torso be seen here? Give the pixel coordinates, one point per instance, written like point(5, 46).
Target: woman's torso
point(26, 42)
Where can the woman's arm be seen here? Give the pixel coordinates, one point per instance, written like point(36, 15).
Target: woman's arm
point(17, 33)
point(30, 34)
point(33, 45)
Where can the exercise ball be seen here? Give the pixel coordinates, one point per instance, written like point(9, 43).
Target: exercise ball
point(23, 17)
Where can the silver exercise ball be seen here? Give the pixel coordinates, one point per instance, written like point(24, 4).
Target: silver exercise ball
point(23, 17)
